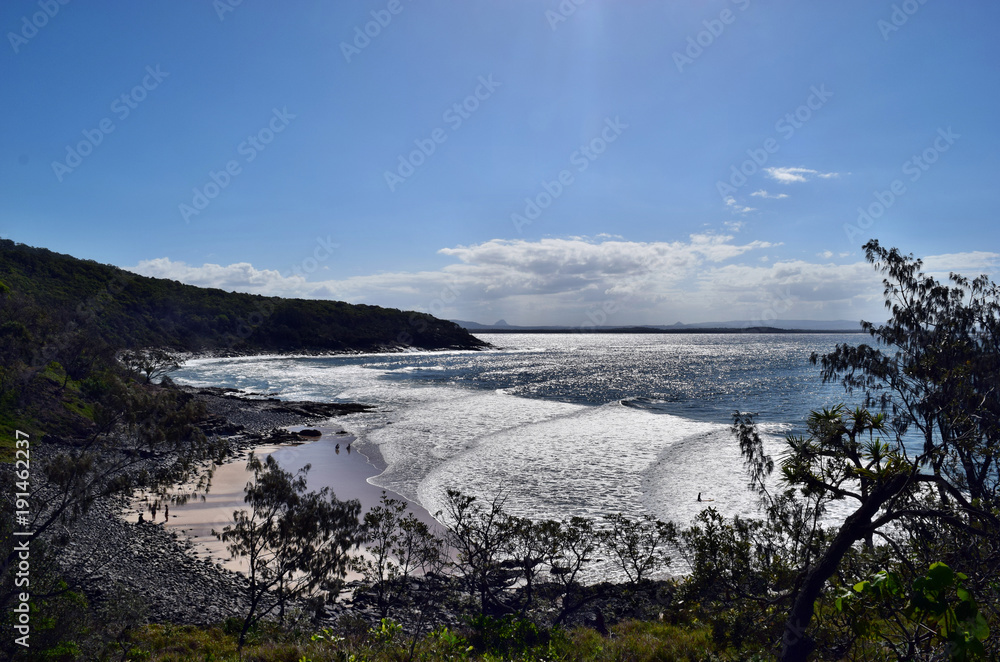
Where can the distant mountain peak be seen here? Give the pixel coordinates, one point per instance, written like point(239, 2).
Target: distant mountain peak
point(500, 323)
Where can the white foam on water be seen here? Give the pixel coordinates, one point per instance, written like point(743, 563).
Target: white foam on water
point(429, 427)
point(555, 459)
point(708, 463)
point(711, 464)
point(585, 461)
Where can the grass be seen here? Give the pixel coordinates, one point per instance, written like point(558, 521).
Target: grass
point(9, 426)
point(54, 392)
point(170, 643)
point(630, 641)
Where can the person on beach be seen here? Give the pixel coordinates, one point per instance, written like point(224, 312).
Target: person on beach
point(699, 496)
point(166, 513)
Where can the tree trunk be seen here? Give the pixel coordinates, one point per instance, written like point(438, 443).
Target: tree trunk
point(795, 644)
point(246, 625)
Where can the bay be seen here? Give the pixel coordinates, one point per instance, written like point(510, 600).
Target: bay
point(565, 424)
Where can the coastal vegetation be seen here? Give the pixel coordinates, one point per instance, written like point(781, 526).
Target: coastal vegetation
point(70, 310)
point(910, 573)
point(296, 543)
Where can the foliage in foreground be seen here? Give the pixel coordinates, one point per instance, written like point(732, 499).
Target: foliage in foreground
point(386, 642)
point(918, 465)
point(296, 543)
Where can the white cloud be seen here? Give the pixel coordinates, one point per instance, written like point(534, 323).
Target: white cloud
point(736, 207)
point(707, 277)
point(790, 175)
point(764, 194)
point(241, 276)
point(826, 255)
point(794, 290)
point(970, 264)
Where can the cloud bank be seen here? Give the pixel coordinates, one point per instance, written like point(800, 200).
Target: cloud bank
point(708, 277)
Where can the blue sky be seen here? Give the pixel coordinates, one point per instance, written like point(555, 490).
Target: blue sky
point(537, 161)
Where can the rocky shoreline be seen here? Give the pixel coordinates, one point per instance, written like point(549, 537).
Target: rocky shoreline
point(102, 553)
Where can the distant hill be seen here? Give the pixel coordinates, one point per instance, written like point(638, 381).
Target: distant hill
point(791, 325)
point(772, 326)
point(130, 311)
point(474, 326)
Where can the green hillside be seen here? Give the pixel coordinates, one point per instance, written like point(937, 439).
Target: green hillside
point(125, 310)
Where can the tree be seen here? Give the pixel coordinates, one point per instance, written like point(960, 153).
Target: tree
point(82, 352)
point(21, 322)
point(294, 541)
point(149, 363)
point(570, 546)
point(638, 545)
point(929, 454)
point(841, 458)
point(136, 427)
point(934, 370)
point(936, 608)
point(526, 555)
point(397, 546)
point(482, 537)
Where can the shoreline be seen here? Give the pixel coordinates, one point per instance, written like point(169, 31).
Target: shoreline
point(345, 472)
point(304, 354)
point(337, 461)
point(181, 585)
point(177, 583)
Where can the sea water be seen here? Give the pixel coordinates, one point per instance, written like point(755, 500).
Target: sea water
point(564, 424)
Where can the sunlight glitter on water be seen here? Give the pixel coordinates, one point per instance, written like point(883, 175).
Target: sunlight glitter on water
point(568, 424)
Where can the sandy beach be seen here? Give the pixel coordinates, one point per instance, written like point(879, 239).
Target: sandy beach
point(345, 472)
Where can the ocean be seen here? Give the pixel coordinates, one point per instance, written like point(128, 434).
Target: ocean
point(565, 424)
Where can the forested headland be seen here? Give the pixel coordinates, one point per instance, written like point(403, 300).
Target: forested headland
point(57, 295)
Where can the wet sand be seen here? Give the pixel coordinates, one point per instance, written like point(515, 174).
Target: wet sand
point(345, 472)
